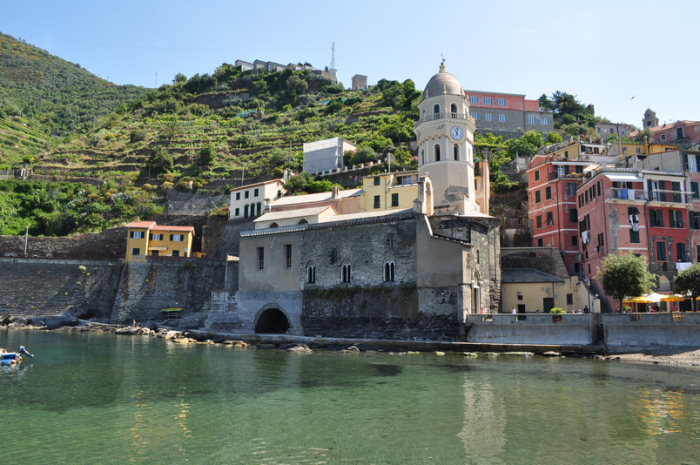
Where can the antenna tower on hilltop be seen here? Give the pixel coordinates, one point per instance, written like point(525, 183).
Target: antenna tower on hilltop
point(333, 56)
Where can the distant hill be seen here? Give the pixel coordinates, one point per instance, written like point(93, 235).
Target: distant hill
point(47, 95)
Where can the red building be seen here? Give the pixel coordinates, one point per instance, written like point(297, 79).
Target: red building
point(552, 205)
point(508, 114)
point(629, 210)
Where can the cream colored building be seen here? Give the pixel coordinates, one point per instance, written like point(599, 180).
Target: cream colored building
point(254, 199)
point(389, 191)
point(145, 238)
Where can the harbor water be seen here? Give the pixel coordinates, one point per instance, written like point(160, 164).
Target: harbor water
point(99, 398)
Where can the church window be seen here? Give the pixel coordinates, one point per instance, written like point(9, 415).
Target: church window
point(390, 241)
point(389, 267)
point(436, 108)
point(422, 157)
point(453, 109)
point(346, 270)
point(437, 152)
point(310, 273)
point(288, 255)
point(303, 221)
point(274, 225)
point(456, 152)
point(261, 258)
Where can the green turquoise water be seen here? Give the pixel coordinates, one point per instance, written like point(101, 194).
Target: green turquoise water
point(103, 399)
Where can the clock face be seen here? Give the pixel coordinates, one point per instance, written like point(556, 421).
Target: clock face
point(456, 133)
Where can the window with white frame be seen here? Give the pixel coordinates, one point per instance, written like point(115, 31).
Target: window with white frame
point(389, 268)
point(137, 234)
point(501, 118)
point(311, 273)
point(488, 100)
point(544, 121)
point(531, 120)
point(177, 238)
point(501, 102)
point(488, 117)
point(475, 115)
point(473, 99)
point(156, 237)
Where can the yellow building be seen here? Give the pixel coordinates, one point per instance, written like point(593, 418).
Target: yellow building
point(145, 238)
point(389, 191)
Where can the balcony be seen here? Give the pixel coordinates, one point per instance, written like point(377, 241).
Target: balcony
point(443, 115)
point(667, 196)
point(625, 194)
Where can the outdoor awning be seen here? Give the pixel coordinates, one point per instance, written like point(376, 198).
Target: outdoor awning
point(623, 177)
point(158, 247)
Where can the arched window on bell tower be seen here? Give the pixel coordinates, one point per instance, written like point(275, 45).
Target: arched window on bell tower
point(456, 151)
point(422, 157)
point(436, 108)
point(437, 152)
point(453, 109)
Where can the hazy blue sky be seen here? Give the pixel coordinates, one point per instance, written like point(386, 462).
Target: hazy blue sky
point(604, 52)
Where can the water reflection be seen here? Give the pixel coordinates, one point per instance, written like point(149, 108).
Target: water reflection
point(483, 434)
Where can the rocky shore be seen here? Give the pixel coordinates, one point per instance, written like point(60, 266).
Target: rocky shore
point(178, 335)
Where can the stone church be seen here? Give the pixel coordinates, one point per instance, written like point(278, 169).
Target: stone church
point(400, 273)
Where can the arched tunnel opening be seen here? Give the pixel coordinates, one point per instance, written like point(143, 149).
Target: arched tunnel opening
point(273, 321)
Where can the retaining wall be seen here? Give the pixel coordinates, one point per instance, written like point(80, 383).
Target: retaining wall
point(32, 287)
point(645, 330)
point(564, 329)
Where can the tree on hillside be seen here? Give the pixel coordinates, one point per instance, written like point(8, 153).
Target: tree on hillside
point(298, 183)
point(160, 161)
point(526, 146)
point(207, 155)
point(179, 77)
point(688, 282)
point(626, 275)
point(554, 138)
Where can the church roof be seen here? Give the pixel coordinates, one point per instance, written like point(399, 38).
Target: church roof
point(443, 83)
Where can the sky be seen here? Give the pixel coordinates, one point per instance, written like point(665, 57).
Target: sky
point(621, 56)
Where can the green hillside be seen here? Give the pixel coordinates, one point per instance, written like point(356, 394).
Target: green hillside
point(44, 95)
point(213, 127)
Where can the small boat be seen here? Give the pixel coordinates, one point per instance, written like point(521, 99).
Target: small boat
point(13, 358)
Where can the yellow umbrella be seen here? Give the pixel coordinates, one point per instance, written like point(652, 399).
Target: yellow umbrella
point(638, 300)
point(673, 298)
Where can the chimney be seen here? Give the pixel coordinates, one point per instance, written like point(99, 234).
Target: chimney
point(335, 192)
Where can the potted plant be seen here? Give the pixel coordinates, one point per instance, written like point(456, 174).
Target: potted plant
point(556, 313)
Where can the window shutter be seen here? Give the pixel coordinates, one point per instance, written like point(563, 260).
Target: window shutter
point(171, 237)
point(685, 161)
point(131, 234)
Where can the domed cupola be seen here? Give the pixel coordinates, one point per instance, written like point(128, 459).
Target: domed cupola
point(442, 83)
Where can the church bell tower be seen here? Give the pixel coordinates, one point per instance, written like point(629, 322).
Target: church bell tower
point(445, 136)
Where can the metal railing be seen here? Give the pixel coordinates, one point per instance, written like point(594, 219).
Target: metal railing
point(444, 115)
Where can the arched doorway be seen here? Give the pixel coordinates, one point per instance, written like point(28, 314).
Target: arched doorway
point(273, 321)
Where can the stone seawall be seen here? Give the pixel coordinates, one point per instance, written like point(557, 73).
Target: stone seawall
point(32, 287)
point(382, 314)
point(146, 288)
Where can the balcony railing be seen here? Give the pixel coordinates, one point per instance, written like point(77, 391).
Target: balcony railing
point(626, 194)
point(659, 195)
point(444, 115)
point(641, 195)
